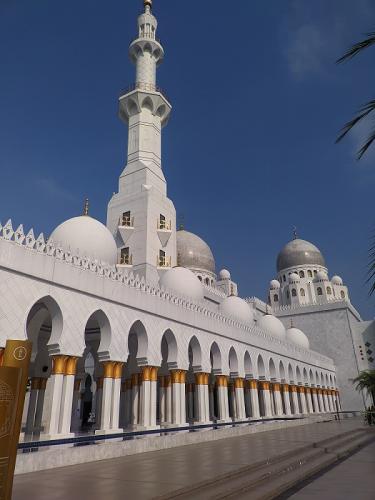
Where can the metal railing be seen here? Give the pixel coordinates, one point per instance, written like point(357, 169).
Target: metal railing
point(126, 221)
point(147, 36)
point(163, 261)
point(147, 87)
point(126, 260)
point(164, 225)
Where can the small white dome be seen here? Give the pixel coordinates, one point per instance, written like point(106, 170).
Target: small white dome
point(336, 280)
point(321, 276)
point(87, 236)
point(224, 274)
point(236, 308)
point(183, 281)
point(274, 284)
point(297, 336)
point(293, 277)
point(272, 325)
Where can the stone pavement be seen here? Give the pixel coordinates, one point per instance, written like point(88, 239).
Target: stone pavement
point(148, 475)
point(354, 478)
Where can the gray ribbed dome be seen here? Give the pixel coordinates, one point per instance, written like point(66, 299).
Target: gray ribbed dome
point(193, 252)
point(298, 253)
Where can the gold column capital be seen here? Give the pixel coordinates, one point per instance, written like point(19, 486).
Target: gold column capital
point(252, 384)
point(293, 388)
point(201, 378)
point(221, 380)
point(58, 364)
point(239, 383)
point(149, 374)
point(108, 369)
point(71, 365)
point(117, 370)
point(264, 385)
point(175, 376)
point(276, 386)
point(308, 390)
point(285, 387)
point(154, 374)
point(301, 389)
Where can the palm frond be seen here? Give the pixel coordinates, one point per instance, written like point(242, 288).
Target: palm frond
point(366, 145)
point(358, 47)
point(371, 268)
point(362, 113)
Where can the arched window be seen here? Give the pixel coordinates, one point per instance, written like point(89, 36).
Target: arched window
point(302, 292)
point(276, 298)
point(329, 290)
point(207, 281)
point(294, 292)
point(309, 273)
point(301, 274)
point(284, 278)
point(315, 272)
point(320, 291)
point(342, 293)
point(200, 278)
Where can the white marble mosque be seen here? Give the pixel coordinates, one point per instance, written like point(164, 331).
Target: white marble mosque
point(133, 329)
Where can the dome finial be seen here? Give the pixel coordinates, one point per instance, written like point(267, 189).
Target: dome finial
point(295, 236)
point(86, 207)
point(147, 3)
point(181, 222)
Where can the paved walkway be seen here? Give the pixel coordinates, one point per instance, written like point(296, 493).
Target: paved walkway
point(353, 478)
point(147, 475)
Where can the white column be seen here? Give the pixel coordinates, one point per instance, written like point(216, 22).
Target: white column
point(52, 402)
point(320, 399)
point(116, 393)
point(176, 397)
point(330, 399)
point(288, 410)
point(240, 398)
point(222, 398)
point(162, 400)
point(266, 398)
point(201, 388)
point(314, 397)
point(106, 403)
point(168, 399)
point(145, 395)
point(310, 406)
point(183, 421)
point(295, 400)
point(278, 401)
point(325, 400)
point(153, 396)
point(253, 388)
point(302, 396)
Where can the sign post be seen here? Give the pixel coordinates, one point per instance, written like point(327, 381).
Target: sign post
point(13, 381)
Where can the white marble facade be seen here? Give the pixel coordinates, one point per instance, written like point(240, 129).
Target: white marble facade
point(131, 326)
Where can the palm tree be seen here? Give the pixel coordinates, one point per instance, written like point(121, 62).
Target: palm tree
point(364, 112)
point(367, 108)
point(366, 382)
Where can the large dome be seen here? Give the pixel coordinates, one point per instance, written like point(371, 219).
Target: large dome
point(182, 281)
point(237, 308)
point(193, 252)
point(298, 253)
point(88, 237)
point(272, 325)
point(297, 336)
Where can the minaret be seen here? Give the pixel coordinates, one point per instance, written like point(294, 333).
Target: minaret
point(140, 215)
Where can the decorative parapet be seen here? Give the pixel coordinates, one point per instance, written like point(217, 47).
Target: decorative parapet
point(292, 307)
point(105, 271)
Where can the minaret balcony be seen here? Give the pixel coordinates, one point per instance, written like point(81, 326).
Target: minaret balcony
point(125, 228)
point(164, 262)
point(141, 95)
point(126, 261)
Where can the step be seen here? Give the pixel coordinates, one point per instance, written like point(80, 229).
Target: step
point(258, 475)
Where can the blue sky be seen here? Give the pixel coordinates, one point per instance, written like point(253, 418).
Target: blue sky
point(249, 151)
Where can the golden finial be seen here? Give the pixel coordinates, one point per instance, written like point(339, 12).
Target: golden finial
point(86, 207)
point(295, 236)
point(147, 3)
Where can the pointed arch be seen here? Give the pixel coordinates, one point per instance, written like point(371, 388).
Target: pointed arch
point(233, 361)
point(138, 341)
point(272, 369)
point(248, 365)
point(261, 368)
point(169, 349)
point(195, 353)
point(215, 358)
point(282, 371)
